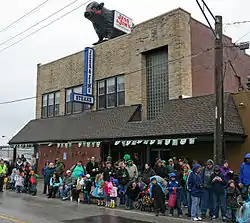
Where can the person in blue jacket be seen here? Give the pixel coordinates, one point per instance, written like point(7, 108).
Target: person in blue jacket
point(195, 186)
point(157, 194)
point(244, 177)
point(174, 187)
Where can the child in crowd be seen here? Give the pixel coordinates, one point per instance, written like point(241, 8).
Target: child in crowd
point(141, 184)
point(77, 190)
point(231, 202)
point(109, 186)
point(87, 184)
point(99, 191)
point(157, 194)
point(33, 182)
point(174, 188)
point(12, 178)
point(132, 193)
point(113, 193)
point(54, 184)
point(19, 182)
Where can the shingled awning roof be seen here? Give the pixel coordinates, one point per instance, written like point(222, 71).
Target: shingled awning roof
point(189, 116)
point(87, 125)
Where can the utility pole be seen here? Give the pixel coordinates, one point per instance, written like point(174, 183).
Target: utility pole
point(219, 141)
point(219, 150)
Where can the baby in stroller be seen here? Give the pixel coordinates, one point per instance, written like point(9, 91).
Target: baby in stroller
point(143, 201)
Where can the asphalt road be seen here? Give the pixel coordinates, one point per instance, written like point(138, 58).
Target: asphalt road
point(24, 208)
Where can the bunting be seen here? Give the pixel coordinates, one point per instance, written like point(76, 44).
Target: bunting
point(166, 142)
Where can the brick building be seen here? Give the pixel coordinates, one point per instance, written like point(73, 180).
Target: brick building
point(138, 80)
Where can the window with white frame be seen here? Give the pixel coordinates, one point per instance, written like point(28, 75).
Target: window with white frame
point(111, 92)
point(74, 107)
point(101, 94)
point(51, 104)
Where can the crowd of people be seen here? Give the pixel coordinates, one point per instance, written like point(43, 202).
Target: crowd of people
point(208, 191)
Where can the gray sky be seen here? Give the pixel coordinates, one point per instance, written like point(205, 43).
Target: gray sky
point(72, 34)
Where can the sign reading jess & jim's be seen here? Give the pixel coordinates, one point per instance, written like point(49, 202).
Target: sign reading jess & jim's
point(88, 84)
point(87, 96)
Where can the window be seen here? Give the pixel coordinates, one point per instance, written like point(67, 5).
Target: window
point(111, 92)
point(57, 103)
point(157, 81)
point(101, 94)
point(120, 91)
point(45, 106)
point(51, 105)
point(74, 107)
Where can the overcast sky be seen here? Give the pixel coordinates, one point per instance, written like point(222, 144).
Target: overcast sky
point(72, 34)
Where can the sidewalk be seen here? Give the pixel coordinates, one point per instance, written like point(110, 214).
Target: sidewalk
point(120, 209)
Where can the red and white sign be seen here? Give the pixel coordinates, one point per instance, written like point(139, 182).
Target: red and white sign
point(122, 22)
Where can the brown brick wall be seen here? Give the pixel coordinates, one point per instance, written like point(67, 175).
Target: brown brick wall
point(203, 65)
point(51, 153)
point(124, 55)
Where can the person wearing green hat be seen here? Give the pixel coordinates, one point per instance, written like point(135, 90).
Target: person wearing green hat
point(170, 166)
point(132, 170)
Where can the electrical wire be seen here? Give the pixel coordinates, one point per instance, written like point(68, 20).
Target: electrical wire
point(17, 100)
point(25, 37)
point(237, 23)
point(168, 62)
point(38, 23)
point(24, 16)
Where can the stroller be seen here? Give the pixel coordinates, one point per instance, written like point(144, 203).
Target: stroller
point(243, 213)
point(144, 202)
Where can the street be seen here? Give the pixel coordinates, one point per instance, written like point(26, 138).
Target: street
point(23, 208)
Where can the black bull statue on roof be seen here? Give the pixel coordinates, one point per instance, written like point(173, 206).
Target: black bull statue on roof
point(103, 21)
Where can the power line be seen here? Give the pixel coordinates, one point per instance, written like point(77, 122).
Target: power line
point(237, 23)
point(24, 16)
point(20, 40)
point(36, 24)
point(168, 62)
point(17, 100)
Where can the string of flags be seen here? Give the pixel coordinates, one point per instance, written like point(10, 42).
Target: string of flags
point(80, 144)
point(166, 142)
point(23, 146)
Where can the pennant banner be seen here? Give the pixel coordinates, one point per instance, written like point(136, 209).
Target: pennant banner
point(152, 142)
point(133, 143)
point(183, 141)
point(167, 142)
point(159, 142)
